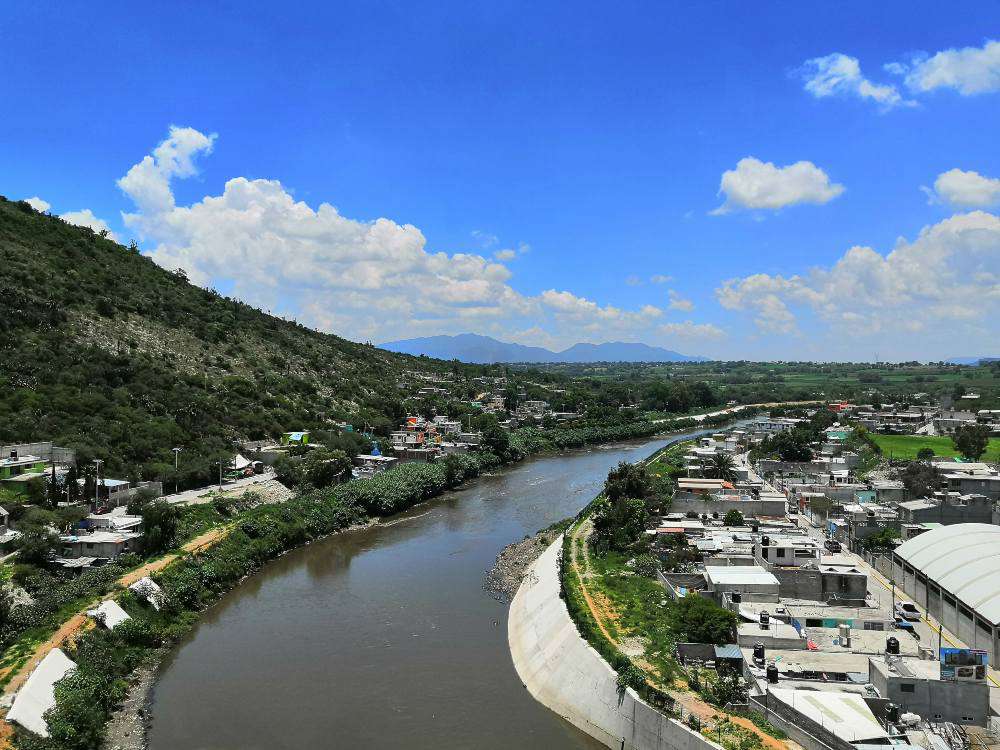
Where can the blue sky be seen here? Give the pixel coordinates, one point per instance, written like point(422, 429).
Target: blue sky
point(535, 166)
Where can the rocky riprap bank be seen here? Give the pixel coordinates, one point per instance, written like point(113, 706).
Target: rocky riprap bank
point(514, 562)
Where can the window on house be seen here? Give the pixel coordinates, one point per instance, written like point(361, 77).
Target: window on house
point(906, 687)
point(781, 552)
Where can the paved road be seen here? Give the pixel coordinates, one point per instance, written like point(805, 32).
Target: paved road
point(733, 410)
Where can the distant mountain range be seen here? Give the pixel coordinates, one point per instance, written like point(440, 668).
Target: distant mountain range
point(471, 347)
point(971, 360)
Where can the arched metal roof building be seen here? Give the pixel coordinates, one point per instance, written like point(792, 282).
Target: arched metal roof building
point(962, 560)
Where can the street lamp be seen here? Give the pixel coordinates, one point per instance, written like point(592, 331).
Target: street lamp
point(176, 453)
point(97, 481)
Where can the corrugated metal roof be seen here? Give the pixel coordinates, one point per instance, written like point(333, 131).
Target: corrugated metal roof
point(964, 560)
point(729, 651)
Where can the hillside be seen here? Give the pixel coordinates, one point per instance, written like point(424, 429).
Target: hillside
point(104, 351)
point(470, 347)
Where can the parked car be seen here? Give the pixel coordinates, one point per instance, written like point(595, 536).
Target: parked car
point(832, 545)
point(907, 611)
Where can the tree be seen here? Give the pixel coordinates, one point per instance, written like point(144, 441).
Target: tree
point(919, 479)
point(722, 466)
point(925, 454)
point(321, 468)
point(792, 446)
point(285, 470)
point(628, 480)
point(496, 440)
point(618, 524)
point(971, 440)
point(696, 619)
point(646, 565)
point(6, 605)
point(733, 518)
point(882, 541)
point(159, 525)
point(36, 545)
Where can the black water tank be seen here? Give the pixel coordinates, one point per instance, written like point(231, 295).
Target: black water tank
point(772, 674)
point(764, 541)
point(758, 651)
point(765, 619)
point(892, 645)
point(892, 713)
point(737, 597)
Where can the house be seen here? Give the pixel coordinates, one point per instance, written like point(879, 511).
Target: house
point(947, 509)
point(98, 544)
point(368, 465)
point(18, 471)
point(916, 686)
point(117, 520)
point(788, 551)
point(740, 579)
point(295, 438)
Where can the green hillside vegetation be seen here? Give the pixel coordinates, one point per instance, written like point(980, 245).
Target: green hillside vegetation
point(103, 351)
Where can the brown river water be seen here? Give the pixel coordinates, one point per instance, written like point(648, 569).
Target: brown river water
point(382, 637)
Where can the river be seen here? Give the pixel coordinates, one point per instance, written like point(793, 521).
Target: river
point(382, 637)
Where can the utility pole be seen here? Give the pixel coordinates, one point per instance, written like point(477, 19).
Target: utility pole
point(97, 482)
point(176, 453)
point(220, 462)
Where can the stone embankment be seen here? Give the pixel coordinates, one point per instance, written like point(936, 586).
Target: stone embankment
point(514, 563)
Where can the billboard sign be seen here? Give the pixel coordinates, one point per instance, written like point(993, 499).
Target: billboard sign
point(963, 664)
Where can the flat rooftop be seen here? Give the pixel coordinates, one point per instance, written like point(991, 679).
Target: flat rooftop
point(796, 661)
point(739, 575)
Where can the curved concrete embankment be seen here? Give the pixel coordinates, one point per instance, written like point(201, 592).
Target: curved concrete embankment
point(564, 673)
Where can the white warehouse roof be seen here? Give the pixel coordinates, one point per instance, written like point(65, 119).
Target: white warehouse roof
point(964, 560)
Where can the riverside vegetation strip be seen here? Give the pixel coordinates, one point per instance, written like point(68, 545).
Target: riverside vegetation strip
point(625, 615)
point(106, 660)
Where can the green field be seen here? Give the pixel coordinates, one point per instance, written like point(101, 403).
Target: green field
point(906, 446)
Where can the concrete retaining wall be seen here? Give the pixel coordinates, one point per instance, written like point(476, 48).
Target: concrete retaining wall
point(564, 673)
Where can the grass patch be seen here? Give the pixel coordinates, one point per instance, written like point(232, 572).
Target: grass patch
point(641, 605)
point(907, 446)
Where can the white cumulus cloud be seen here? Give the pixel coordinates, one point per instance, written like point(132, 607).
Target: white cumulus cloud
point(38, 204)
point(943, 284)
point(754, 184)
point(366, 280)
point(86, 218)
point(678, 302)
point(969, 71)
point(691, 331)
point(840, 75)
point(966, 189)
